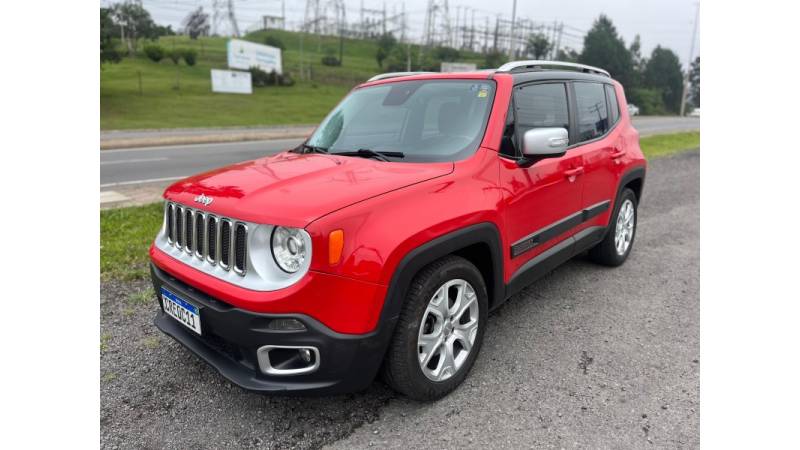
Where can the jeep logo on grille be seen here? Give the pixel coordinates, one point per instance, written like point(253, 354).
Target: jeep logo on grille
point(203, 199)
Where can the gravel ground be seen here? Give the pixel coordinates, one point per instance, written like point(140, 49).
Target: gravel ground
point(586, 357)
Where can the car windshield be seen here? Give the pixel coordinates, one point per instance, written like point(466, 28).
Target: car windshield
point(426, 120)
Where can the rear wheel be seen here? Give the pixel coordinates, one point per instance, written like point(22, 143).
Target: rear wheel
point(440, 330)
point(617, 245)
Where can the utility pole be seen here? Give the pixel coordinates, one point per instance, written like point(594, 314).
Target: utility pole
point(688, 68)
point(513, 25)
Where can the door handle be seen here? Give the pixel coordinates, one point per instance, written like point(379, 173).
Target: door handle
point(618, 154)
point(573, 172)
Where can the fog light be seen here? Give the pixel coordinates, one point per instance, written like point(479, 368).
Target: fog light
point(286, 325)
point(305, 354)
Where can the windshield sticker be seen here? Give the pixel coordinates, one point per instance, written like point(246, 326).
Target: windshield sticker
point(483, 92)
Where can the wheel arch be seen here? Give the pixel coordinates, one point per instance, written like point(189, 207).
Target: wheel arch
point(633, 179)
point(480, 244)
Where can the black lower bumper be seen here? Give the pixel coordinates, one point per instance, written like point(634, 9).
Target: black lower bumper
point(231, 338)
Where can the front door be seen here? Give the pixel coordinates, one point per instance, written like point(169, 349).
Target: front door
point(541, 201)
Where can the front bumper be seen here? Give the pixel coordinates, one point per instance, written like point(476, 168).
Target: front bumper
point(232, 336)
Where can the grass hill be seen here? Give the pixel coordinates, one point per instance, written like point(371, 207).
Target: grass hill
point(180, 96)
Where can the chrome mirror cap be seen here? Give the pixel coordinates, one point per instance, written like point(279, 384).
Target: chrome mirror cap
point(545, 142)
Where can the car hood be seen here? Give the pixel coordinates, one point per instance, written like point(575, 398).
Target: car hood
point(295, 189)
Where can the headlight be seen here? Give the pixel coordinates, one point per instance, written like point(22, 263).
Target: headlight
point(289, 248)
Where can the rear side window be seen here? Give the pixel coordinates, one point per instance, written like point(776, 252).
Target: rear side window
point(541, 106)
point(592, 111)
point(613, 104)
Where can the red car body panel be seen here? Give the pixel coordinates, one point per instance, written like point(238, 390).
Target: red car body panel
point(388, 209)
point(345, 305)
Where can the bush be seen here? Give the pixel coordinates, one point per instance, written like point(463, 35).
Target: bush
point(447, 54)
point(154, 52)
point(273, 41)
point(174, 55)
point(190, 56)
point(286, 79)
point(330, 60)
point(494, 59)
point(649, 101)
point(261, 78)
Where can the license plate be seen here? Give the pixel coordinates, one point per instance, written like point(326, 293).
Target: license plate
point(181, 310)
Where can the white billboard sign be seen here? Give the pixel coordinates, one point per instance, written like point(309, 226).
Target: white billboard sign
point(231, 81)
point(458, 67)
point(244, 55)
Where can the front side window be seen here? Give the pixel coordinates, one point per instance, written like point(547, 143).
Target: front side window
point(541, 106)
point(592, 110)
point(426, 120)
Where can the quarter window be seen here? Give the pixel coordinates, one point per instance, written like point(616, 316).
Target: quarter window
point(541, 106)
point(612, 103)
point(592, 111)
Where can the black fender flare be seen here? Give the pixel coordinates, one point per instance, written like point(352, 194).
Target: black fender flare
point(632, 174)
point(480, 233)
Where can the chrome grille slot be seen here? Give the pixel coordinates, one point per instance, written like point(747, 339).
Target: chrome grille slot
point(240, 248)
point(179, 226)
point(170, 213)
point(212, 230)
point(212, 239)
point(225, 244)
point(199, 234)
point(189, 227)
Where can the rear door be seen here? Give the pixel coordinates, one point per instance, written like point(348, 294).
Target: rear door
point(599, 144)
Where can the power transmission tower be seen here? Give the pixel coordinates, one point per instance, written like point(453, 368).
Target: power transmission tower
point(232, 18)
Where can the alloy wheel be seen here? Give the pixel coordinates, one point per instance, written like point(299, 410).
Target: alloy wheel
point(623, 234)
point(448, 330)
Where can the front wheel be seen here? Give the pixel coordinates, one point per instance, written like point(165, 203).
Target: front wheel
point(615, 248)
point(440, 330)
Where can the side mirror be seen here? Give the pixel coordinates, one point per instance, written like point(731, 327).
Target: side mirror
point(541, 143)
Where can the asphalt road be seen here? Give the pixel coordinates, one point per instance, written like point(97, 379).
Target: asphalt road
point(587, 357)
point(130, 167)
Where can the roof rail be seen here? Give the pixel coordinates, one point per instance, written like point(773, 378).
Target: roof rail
point(384, 76)
point(534, 63)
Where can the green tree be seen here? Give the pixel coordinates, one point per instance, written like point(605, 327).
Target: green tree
point(694, 82)
point(538, 46)
point(603, 47)
point(385, 44)
point(638, 61)
point(663, 72)
point(108, 51)
point(134, 23)
point(567, 54)
point(196, 24)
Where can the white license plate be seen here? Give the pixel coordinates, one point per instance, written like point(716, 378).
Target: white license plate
point(183, 311)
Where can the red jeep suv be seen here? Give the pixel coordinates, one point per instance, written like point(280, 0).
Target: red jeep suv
point(421, 202)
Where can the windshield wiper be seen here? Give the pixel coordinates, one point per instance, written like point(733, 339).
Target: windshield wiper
point(306, 148)
point(369, 153)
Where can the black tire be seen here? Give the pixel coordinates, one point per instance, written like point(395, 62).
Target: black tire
point(401, 368)
point(605, 252)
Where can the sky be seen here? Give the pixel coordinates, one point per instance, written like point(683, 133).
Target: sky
point(668, 23)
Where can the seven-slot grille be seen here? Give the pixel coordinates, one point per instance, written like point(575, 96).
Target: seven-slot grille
point(213, 239)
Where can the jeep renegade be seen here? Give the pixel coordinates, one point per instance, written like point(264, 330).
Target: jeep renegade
point(419, 204)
